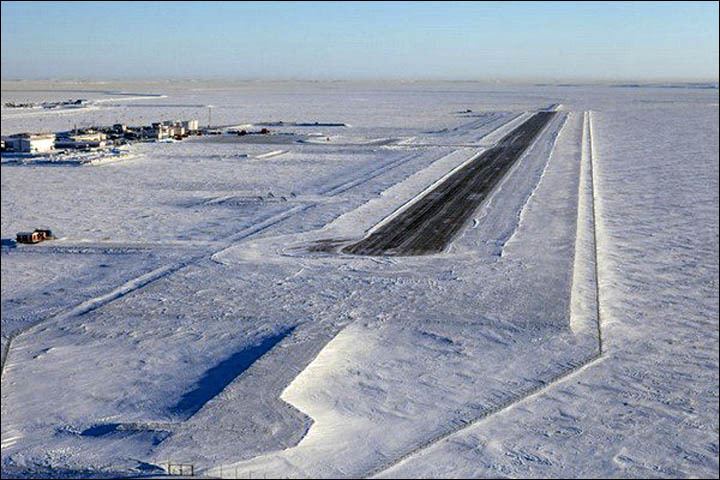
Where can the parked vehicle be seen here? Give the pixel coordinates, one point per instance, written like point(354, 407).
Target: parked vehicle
point(29, 237)
point(36, 236)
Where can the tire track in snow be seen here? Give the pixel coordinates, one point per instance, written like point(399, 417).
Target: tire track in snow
point(146, 279)
point(461, 424)
point(573, 367)
point(345, 186)
point(97, 302)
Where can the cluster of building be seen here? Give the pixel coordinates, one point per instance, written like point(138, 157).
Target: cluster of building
point(156, 131)
point(97, 137)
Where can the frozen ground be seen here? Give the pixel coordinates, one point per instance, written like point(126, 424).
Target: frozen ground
point(187, 315)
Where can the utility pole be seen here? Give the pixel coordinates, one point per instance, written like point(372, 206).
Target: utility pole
point(209, 115)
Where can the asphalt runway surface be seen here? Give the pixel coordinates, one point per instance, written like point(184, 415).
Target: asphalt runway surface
point(429, 224)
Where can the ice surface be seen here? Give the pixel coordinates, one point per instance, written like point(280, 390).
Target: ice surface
point(184, 315)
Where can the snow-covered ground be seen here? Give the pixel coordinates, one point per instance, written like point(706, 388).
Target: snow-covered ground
point(185, 315)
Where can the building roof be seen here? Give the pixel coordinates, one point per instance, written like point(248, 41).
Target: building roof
point(34, 136)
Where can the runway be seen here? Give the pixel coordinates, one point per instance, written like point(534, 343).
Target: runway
point(428, 225)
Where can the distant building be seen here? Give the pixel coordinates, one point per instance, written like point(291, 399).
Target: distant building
point(178, 129)
point(90, 137)
point(158, 131)
point(82, 141)
point(30, 142)
point(191, 125)
point(98, 137)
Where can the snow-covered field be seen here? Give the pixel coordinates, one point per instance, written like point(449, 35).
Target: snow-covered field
point(186, 315)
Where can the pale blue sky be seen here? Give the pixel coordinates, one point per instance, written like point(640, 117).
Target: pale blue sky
point(468, 41)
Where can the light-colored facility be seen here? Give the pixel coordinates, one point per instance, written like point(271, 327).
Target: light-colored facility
point(191, 125)
point(30, 142)
point(82, 141)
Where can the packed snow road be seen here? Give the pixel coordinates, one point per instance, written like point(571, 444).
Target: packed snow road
point(428, 225)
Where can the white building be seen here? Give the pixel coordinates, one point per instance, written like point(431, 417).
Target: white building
point(82, 141)
point(31, 142)
point(191, 125)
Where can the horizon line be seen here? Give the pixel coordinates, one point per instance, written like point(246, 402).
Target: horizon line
point(522, 80)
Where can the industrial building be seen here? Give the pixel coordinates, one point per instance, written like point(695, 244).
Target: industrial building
point(191, 125)
point(81, 141)
point(30, 142)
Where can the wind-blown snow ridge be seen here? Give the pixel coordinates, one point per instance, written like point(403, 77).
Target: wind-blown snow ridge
point(589, 152)
point(485, 208)
point(521, 213)
point(97, 302)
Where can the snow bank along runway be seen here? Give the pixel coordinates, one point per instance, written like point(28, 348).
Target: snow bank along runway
point(429, 224)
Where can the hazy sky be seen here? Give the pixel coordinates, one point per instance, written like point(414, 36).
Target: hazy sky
point(524, 41)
